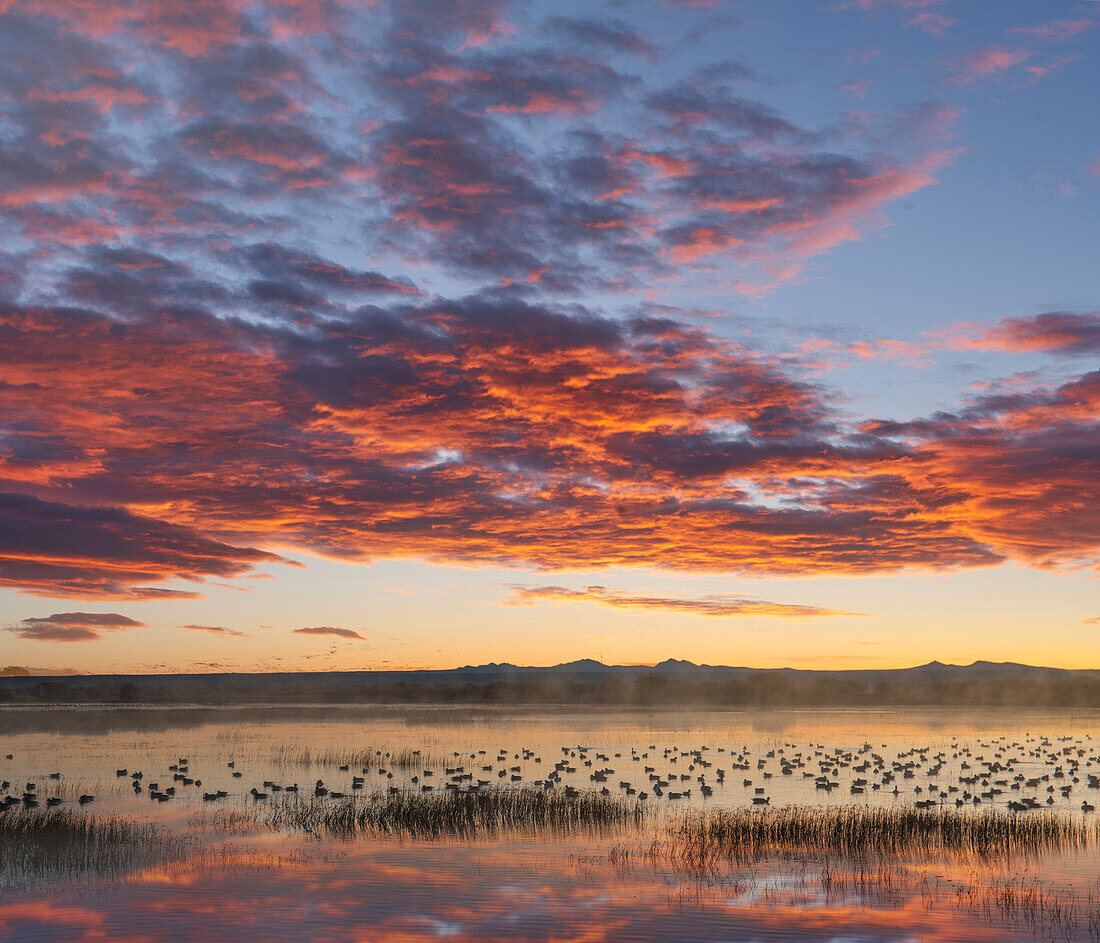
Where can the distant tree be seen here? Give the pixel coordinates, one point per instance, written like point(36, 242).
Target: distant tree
point(129, 692)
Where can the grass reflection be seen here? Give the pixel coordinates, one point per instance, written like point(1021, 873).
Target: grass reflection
point(51, 846)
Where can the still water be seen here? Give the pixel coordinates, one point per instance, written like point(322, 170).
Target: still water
point(227, 874)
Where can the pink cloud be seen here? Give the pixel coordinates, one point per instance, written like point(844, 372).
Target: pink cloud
point(1057, 31)
point(984, 63)
point(905, 352)
point(1038, 72)
point(857, 88)
point(863, 198)
point(881, 4)
point(935, 23)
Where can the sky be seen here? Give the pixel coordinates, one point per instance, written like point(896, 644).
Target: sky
point(341, 335)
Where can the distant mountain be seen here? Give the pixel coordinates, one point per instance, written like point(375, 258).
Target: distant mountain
point(583, 670)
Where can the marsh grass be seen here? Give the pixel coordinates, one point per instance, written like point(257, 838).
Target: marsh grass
point(435, 814)
point(228, 820)
point(366, 758)
point(46, 846)
point(859, 832)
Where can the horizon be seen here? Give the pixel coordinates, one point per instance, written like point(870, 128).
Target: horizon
point(432, 333)
point(18, 671)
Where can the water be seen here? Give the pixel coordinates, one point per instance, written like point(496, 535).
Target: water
point(249, 882)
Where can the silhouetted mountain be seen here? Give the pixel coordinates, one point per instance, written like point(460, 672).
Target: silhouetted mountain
point(583, 671)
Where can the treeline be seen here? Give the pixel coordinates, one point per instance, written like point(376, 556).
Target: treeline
point(649, 690)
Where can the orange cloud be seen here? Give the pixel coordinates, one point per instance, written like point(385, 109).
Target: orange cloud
point(702, 242)
point(1058, 331)
point(717, 606)
point(487, 431)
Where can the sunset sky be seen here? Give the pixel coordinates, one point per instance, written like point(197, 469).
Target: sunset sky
point(430, 333)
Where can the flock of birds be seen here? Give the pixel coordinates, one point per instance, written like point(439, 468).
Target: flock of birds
point(1024, 775)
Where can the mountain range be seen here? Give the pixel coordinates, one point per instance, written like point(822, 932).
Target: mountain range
point(585, 670)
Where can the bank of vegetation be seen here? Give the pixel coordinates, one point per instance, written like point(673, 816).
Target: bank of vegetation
point(649, 690)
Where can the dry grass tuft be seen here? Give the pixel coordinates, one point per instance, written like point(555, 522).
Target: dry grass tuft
point(428, 815)
point(366, 758)
point(860, 831)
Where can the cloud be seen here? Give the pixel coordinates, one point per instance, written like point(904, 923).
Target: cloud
point(722, 606)
point(36, 671)
point(1015, 465)
point(935, 23)
point(279, 262)
point(1058, 31)
point(610, 34)
point(1095, 620)
point(857, 88)
point(72, 626)
point(372, 283)
point(243, 131)
point(330, 630)
point(215, 630)
point(60, 550)
point(985, 63)
point(883, 4)
point(452, 430)
point(1063, 332)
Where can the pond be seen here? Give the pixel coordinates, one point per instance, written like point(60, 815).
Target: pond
point(459, 823)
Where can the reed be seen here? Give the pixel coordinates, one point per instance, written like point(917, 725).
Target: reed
point(42, 846)
point(228, 820)
point(429, 815)
point(860, 831)
point(365, 758)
